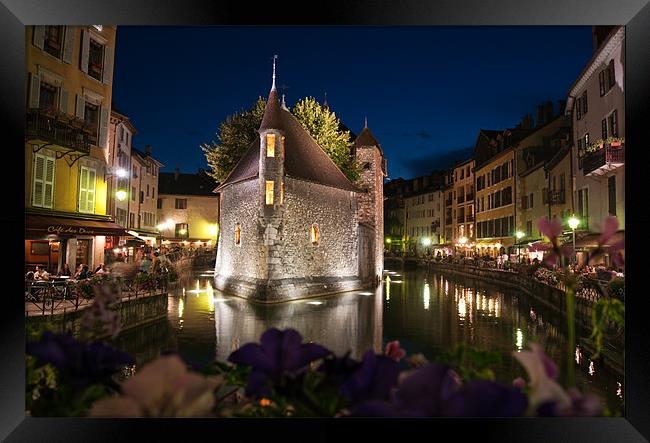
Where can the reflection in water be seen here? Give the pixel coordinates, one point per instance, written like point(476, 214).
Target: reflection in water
point(429, 313)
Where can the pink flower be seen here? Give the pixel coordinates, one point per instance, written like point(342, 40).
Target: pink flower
point(553, 229)
point(607, 236)
point(394, 351)
point(162, 388)
point(542, 373)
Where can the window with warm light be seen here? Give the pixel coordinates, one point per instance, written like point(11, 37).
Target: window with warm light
point(314, 235)
point(269, 192)
point(282, 146)
point(270, 145)
point(237, 234)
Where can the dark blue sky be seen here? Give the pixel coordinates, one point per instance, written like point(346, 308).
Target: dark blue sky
point(426, 91)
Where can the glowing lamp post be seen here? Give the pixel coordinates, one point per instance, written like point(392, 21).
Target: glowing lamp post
point(519, 236)
point(121, 195)
point(573, 224)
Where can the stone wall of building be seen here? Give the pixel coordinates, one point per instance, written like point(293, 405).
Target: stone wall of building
point(371, 202)
point(333, 210)
point(239, 204)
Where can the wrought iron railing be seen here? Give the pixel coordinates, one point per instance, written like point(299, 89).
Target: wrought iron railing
point(55, 130)
point(603, 156)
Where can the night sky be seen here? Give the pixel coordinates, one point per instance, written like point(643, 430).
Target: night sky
point(425, 91)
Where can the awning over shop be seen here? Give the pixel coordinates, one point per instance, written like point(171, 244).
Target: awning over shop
point(64, 226)
point(526, 243)
point(590, 241)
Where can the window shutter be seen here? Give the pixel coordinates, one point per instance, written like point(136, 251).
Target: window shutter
point(90, 191)
point(85, 49)
point(83, 191)
point(81, 107)
point(39, 36)
point(63, 100)
point(38, 180)
point(48, 194)
point(103, 126)
point(68, 44)
point(107, 76)
point(35, 91)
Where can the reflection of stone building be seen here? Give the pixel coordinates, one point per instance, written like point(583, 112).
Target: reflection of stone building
point(292, 224)
point(348, 322)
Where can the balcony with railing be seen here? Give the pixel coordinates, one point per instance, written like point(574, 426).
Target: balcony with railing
point(469, 218)
point(554, 197)
point(461, 218)
point(58, 131)
point(604, 160)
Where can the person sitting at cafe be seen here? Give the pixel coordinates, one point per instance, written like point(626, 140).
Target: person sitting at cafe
point(41, 274)
point(65, 270)
point(101, 269)
point(30, 275)
point(82, 272)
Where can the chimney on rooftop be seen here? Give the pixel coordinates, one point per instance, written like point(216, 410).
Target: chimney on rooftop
point(147, 149)
point(540, 115)
point(561, 105)
point(548, 112)
point(177, 172)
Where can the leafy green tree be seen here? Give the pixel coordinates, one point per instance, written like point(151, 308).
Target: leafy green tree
point(235, 134)
point(238, 131)
point(323, 125)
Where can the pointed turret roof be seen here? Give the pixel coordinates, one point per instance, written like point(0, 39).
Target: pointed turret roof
point(271, 119)
point(366, 138)
point(304, 159)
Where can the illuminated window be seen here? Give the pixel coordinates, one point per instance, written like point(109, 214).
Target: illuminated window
point(269, 192)
point(270, 145)
point(314, 235)
point(237, 234)
point(282, 193)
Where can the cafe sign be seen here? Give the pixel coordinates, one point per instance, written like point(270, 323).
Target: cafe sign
point(58, 229)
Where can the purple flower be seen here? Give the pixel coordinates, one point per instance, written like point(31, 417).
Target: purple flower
point(280, 353)
point(482, 398)
point(339, 367)
point(83, 364)
point(581, 405)
point(374, 378)
point(394, 351)
point(421, 392)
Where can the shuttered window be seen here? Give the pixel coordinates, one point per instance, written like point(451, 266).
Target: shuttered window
point(87, 190)
point(43, 181)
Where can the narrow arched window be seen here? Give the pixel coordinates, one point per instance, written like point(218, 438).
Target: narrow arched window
point(314, 235)
point(269, 192)
point(282, 146)
point(270, 145)
point(237, 234)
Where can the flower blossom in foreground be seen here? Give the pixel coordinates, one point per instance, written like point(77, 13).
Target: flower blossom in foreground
point(162, 388)
point(552, 229)
point(542, 373)
point(394, 351)
point(279, 353)
point(81, 363)
point(609, 242)
point(374, 378)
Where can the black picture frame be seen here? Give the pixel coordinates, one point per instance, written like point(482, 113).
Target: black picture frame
point(635, 14)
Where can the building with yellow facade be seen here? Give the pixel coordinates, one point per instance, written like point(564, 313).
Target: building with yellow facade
point(69, 75)
point(188, 210)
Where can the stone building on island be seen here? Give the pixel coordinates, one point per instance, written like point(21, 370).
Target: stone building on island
point(292, 224)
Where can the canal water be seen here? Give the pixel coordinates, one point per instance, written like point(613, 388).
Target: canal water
point(428, 312)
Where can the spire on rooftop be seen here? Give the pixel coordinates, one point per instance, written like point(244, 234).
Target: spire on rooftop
point(275, 56)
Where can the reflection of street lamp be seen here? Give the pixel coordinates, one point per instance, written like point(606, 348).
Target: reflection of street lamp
point(573, 224)
point(519, 236)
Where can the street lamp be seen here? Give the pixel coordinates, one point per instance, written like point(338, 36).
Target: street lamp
point(121, 195)
point(519, 236)
point(573, 224)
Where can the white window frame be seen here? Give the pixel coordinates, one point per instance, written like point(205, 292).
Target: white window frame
point(43, 180)
point(87, 207)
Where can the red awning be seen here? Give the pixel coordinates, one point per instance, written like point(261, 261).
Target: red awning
point(63, 226)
